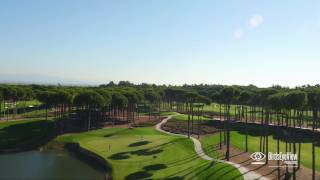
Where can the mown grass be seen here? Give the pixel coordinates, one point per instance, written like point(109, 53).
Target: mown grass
point(21, 104)
point(37, 113)
point(238, 140)
point(184, 117)
point(28, 103)
point(168, 113)
point(209, 143)
point(146, 153)
point(24, 133)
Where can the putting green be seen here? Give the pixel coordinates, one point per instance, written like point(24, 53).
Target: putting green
point(146, 153)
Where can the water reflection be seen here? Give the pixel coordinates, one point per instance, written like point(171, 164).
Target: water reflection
point(46, 165)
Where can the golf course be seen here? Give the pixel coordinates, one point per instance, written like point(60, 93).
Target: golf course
point(159, 90)
point(114, 128)
point(145, 153)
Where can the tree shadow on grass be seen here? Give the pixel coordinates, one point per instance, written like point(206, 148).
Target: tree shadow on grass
point(155, 167)
point(138, 175)
point(146, 173)
point(119, 156)
point(141, 152)
point(228, 172)
point(185, 172)
point(140, 143)
point(115, 133)
point(202, 169)
point(217, 170)
point(146, 152)
point(108, 135)
point(174, 178)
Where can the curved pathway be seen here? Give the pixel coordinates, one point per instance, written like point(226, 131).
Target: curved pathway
point(247, 174)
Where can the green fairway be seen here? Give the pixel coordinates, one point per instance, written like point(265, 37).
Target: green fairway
point(28, 103)
point(208, 143)
point(213, 107)
point(146, 153)
point(184, 117)
point(38, 113)
point(24, 133)
point(238, 141)
point(21, 104)
point(168, 113)
point(34, 113)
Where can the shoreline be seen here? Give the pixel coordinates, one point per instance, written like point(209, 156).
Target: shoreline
point(90, 157)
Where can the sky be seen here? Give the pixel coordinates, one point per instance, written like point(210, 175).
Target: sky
point(265, 42)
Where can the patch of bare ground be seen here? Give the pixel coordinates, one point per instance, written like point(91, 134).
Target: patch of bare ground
point(181, 127)
point(141, 121)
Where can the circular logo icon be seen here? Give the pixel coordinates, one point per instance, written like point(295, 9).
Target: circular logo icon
point(258, 156)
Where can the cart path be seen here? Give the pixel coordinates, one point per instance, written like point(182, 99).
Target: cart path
point(247, 174)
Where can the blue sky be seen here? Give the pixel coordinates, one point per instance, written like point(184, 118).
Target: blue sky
point(161, 41)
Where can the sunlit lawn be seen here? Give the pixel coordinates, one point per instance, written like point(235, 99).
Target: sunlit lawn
point(147, 153)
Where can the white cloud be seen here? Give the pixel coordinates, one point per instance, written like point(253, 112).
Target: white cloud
point(255, 21)
point(238, 33)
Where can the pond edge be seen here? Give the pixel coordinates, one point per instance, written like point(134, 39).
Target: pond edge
point(91, 156)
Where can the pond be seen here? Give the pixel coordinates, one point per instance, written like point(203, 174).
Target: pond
point(45, 165)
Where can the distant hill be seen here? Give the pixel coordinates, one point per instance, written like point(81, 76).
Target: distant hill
point(40, 79)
